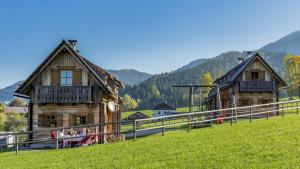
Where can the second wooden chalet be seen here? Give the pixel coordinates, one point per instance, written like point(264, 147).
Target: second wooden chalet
point(253, 81)
point(68, 90)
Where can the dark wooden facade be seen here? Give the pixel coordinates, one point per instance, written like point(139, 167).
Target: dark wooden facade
point(68, 90)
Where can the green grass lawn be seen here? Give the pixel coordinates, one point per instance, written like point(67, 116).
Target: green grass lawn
point(273, 143)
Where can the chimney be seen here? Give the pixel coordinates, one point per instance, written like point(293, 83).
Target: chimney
point(73, 43)
point(240, 59)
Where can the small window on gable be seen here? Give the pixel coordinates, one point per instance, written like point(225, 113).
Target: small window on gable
point(66, 78)
point(254, 76)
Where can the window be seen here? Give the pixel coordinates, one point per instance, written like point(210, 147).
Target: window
point(80, 120)
point(158, 112)
point(66, 78)
point(50, 121)
point(254, 75)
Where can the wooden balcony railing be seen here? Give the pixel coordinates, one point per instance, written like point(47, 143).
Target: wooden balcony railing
point(257, 86)
point(63, 94)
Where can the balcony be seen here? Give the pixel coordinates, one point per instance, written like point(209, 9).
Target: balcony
point(63, 94)
point(257, 86)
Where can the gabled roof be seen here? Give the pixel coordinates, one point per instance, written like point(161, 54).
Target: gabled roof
point(137, 115)
point(100, 74)
point(164, 106)
point(229, 78)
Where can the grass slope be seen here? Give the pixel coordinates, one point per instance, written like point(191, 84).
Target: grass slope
point(273, 143)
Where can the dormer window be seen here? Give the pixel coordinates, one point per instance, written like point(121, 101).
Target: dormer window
point(66, 78)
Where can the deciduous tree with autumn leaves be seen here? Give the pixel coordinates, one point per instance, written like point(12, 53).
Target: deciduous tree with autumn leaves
point(292, 73)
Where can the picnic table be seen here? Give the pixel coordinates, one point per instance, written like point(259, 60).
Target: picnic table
point(73, 140)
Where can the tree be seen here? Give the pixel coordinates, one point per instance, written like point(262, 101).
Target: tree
point(17, 103)
point(2, 117)
point(206, 79)
point(1, 107)
point(292, 73)
point(14, 122)
point(129, 103)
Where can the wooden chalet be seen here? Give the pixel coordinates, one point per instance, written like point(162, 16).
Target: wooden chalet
point(253, 81)
point(68, 90)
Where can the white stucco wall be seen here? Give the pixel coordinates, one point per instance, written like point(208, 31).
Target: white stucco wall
point(159, 113)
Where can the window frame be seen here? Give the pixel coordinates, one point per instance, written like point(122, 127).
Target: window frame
point(66, 77)
point(254, 75)
point(50, 120)
point(81, 119)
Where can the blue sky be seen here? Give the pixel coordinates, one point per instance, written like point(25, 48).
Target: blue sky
point(153, 36)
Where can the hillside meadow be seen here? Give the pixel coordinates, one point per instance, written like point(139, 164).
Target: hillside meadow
point(273, 143)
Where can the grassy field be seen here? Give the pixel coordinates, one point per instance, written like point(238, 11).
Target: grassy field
point(273, 143)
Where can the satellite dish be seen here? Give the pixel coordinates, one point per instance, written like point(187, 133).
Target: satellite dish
point(111, 106)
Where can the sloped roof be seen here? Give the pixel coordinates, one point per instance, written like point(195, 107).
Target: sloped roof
point(228, 79)
point(164, 106)
point(137, 115)
point(100, 74)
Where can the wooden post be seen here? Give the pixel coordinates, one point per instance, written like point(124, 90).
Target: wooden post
point(267, 113)
point(163, 127)
point(251, 114)
point(17, 143)
point(56, 140)
point(211, 120)
point(297, 107)
point(282, 107)
point(96, 135)
point(231, 121)
point(134, 129)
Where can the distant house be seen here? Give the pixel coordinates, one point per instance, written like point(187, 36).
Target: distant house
point(135, 116)
point(163, 109)
point(251, 82)
point(18, 110)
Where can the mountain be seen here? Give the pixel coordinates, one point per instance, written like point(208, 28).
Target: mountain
point(289, 43)
point(130, 76)
point(159, 88)
point(192, 64)
point(6, 94)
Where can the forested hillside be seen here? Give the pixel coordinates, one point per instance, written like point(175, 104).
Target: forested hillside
point(158, 88)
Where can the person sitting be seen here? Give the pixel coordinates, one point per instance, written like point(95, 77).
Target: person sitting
point(61, 133)
point(83, 132)
point(72, 132)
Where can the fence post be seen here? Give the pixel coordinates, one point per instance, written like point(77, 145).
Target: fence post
point(96, 135)
point(56, 140)
point(251, 114)
point(134, 129)
point(189, 124)
point(297, 107)
point(282, 111)
point(17, 143)
point(211, 120)
point(163, 127)
point(267, 113)
point(231, 121)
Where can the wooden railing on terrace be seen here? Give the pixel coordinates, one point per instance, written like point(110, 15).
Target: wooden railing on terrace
point(63, 94)
point(257, 86)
